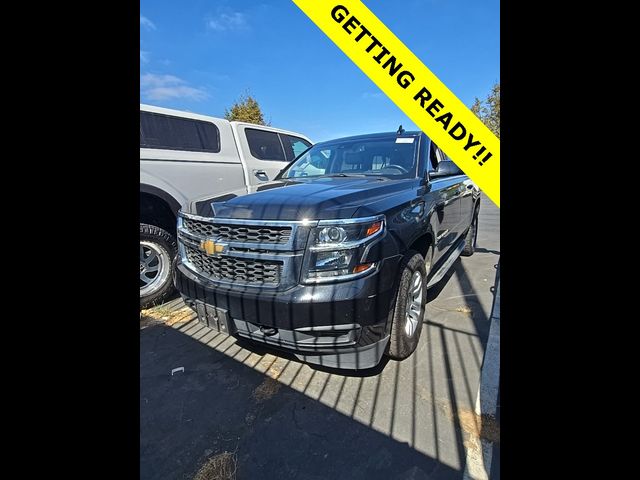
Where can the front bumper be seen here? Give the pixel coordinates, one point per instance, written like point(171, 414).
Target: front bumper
point(340, 325)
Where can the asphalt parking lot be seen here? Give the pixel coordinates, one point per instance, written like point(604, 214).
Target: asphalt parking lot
point(247, 412)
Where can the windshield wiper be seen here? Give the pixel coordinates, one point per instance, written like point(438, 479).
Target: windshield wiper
point(345, 175)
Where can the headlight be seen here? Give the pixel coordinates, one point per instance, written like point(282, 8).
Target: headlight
point(337, 248)
point(332, 235)
point(347, 235)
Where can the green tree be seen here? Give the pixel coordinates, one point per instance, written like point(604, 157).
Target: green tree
point(246, 109)
point(488, 110)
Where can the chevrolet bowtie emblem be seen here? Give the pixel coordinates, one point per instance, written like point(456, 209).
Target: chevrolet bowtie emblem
point(212, 247)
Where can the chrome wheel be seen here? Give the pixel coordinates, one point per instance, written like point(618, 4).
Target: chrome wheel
point(154, 267)
point(414, 304)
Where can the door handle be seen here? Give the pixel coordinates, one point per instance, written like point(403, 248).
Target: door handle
point(470, 186)
point(261, 175)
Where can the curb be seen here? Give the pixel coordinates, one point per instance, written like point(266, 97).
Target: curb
point(478, 464)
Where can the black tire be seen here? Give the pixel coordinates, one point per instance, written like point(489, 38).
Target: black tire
point(156, 241)
point(470, 238)
point(404, 339)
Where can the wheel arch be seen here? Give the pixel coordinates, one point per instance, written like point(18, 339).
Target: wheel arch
point(157, 207)
point(423, 243)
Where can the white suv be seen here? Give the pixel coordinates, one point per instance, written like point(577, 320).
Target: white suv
point(183, 156)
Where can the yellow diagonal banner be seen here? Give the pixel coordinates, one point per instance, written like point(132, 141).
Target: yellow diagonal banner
point(412, 87)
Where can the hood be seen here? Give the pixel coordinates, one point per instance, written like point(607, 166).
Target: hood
point(321, 198)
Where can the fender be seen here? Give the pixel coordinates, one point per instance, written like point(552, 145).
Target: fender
point(172, 202)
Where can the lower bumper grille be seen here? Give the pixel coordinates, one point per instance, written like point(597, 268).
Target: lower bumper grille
point(234, 268)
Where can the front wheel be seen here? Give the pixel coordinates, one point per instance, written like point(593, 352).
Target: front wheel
point(158, 251)
point(408, 311)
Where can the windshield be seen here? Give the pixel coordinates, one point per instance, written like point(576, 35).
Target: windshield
point(389, 156)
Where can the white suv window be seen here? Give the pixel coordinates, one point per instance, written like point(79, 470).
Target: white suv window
point(175, 133)
point(265, 145)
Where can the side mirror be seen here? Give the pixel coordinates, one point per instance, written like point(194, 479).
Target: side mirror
point(446, 169)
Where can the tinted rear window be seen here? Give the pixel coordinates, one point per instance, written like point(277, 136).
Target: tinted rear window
point(265, 145)
point(176, 133)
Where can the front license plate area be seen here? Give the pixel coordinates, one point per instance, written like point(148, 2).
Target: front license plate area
point(213, 317)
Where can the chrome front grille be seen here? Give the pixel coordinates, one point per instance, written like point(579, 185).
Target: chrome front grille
point(254, 253)
point(239, 233)
point(233, 269)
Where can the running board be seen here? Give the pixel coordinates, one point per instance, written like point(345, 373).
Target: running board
point(442, 271)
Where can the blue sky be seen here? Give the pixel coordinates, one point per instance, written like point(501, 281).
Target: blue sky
point(200, 55)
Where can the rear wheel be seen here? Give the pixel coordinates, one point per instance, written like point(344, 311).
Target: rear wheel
point(411, 300)
point(158, 251)
point(470, 238)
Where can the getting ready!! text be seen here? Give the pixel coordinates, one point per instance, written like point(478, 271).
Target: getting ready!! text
point(412, 87)
point(405, 77)
point(384, 57)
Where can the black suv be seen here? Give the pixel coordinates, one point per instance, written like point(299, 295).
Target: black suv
point(331, 260)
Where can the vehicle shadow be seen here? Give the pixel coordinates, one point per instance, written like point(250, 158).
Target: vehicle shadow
point(260, 349)
point(283, 418)
point(486, 250)
point(218, 404)
point(434, 291)
point(479, 316)
point(287, 419)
